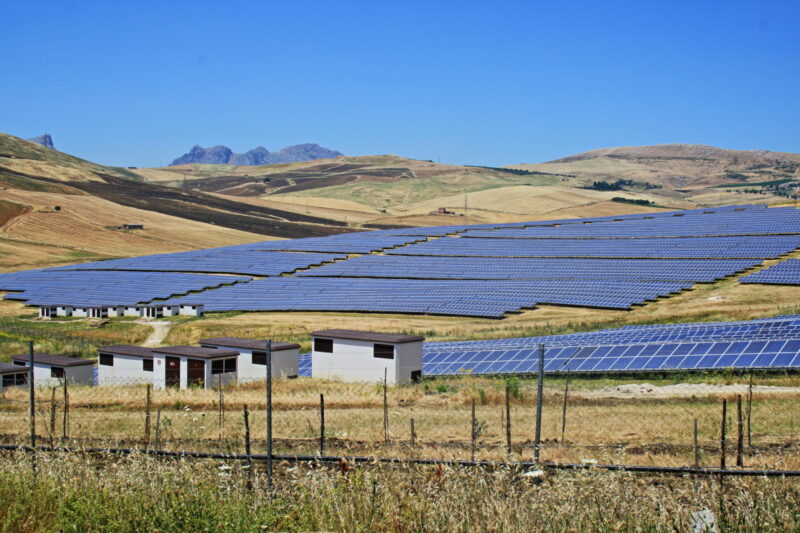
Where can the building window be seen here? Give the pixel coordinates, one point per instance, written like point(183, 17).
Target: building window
point(106, 359)
point(259, 358)
point(19, 363)
point(323, 345)
point(220, 366)
point(384, 351)
point(147, 365)
point(12, 380)
point(56, 372)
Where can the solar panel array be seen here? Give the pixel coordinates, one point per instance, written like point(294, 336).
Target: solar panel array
point(229, 260)
point(785, 273)
point(758, 344)
point(47, 287)
point(481, 270)
point(663, 248)
point(775, 221)
point(430, 267)
point(482, 298)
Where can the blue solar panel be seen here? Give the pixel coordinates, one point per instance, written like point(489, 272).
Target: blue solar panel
point(758, 344)
point(481, 270)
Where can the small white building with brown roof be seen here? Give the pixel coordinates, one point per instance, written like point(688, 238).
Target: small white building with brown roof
point(124, 365)
point(13, 376)
point(184, 366)
point(358, 356)
point(252, 361)
point(51, 370)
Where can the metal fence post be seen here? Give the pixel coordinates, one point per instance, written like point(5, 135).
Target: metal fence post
point(537, 443)
point(31, 395)
point(269, 413)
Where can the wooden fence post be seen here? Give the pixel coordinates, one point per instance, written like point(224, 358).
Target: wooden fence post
point(722, 441)
point(321, 424)
point(564, 411)
point(508, 419)
point(385, 409)
point(247, 450)
point(158, 429)
point(147, 419)
point(740, 432)
point(749, 410)
point(52, 415)
point(473, 432)
point(65, 421)
point(413, 434)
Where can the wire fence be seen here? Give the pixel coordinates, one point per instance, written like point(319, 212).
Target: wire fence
point(734, 422)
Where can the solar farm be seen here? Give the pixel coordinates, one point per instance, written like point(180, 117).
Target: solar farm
point(480, 271)
point(487, 271)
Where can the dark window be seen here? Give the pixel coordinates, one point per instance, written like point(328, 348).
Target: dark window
point(56, 372)
point(106, 359)
point(384, 351)
point(218, 366)
point(147, 365)
point(416, 376)
point(259, 358)
point(19, 363)
point(11, 380)
point(323, 345)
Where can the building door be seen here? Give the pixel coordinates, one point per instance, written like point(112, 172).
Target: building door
point(196, 371)
point(173, 372)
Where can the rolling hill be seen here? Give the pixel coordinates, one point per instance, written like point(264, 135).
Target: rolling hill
point(57, 208)
point(696, 173)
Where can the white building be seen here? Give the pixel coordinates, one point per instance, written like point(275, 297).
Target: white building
point(124, 364)
point(191, 310)
point(12, 376)
point(115, 311)
point(47, 311)
point(51, 370)
point(358, 356)
point(252, 359)
point(183, 366)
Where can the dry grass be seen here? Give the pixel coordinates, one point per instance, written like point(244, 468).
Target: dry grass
point(599, 425)
point(139, 494)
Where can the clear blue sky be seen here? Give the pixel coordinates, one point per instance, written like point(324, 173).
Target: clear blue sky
point(492, 83)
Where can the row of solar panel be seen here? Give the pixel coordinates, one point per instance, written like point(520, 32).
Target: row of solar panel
point(785, 327)
point(471, 298)
point(776, 221)
point(647, 357)
point(428, 267)
point(761, 247)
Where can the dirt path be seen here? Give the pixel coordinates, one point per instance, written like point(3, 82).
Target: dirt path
point(159, 333)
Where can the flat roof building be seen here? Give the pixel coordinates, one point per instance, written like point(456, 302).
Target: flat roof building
point(252, 359)
point(50, 370)
point(184, 366)
point(12, 376)
point(124, 365)
point(358, 356)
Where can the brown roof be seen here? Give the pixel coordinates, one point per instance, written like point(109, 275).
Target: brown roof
point(52, 360)
point(249, 344)
point(12, 369)
point(128, 349)
point(374, 336)
point(194, 351)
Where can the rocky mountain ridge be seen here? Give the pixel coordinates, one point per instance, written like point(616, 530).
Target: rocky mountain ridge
point(222, 155)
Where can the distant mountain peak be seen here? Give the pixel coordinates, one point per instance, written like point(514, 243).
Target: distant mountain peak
point(222, 155)
point(45, 140)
